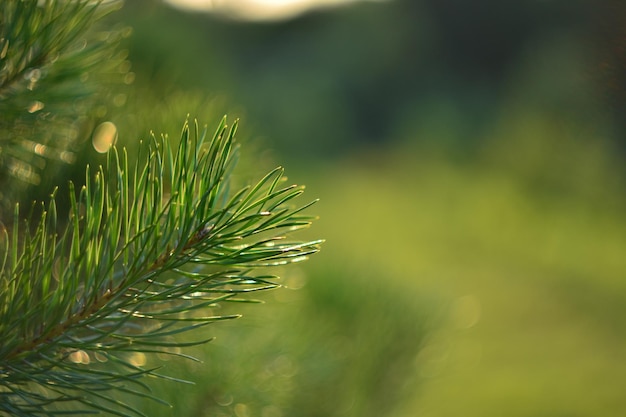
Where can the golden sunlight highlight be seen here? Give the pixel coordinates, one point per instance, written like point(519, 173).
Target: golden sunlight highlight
point(259, 10)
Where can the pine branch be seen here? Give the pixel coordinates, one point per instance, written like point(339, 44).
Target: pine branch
point(147, 250)
point(54, 65)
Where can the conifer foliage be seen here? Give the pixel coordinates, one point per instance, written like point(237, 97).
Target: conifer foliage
point(148, 249)
point(56, 69)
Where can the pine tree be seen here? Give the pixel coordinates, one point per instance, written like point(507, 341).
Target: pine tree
point(146, 248)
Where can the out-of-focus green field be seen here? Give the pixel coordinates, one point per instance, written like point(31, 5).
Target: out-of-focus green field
point(533, 283)
point(467, 271)
point(443, 289)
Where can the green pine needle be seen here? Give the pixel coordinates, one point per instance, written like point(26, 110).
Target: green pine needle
point(145, 251)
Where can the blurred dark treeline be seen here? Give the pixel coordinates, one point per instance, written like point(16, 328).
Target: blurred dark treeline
point(375, 73)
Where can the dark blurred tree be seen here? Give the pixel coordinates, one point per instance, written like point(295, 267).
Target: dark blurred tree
point(609, 39)
point(359, 75)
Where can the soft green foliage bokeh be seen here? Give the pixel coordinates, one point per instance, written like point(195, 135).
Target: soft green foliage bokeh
point(473, 214)
point(471, 199)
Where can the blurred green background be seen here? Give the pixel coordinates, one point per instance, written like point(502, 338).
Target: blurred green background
point(469, 161)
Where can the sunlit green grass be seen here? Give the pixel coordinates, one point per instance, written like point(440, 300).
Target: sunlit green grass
point(534, 280)
point(442, 290)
